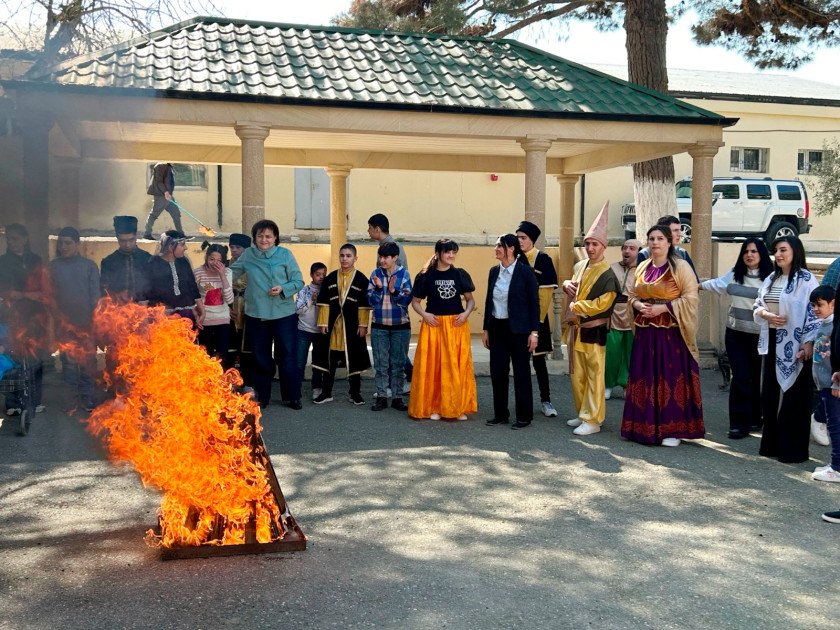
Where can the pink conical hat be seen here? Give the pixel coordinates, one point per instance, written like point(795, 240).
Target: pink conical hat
point(598, 231)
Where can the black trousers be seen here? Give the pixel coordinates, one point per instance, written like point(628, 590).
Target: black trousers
point(354, 380)
point(787, 426)
point(507, 348)
point(745, 388)
point(541, 370)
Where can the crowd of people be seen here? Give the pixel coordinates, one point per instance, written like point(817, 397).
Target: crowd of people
point(630, 327)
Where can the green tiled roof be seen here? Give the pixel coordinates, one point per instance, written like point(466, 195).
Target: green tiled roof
point(221, 59)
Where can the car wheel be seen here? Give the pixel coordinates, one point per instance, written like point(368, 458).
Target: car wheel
point(685, 230)
point(777, 230)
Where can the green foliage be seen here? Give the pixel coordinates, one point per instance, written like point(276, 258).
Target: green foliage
point(825, 180)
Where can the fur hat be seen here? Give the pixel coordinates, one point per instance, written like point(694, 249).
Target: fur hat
point(242, 240)
point(125, 225)
point(530, 230)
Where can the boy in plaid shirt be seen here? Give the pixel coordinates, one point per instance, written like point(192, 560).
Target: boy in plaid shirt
point(389, 293)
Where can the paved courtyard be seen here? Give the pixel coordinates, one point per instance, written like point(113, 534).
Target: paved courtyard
point(420, 524)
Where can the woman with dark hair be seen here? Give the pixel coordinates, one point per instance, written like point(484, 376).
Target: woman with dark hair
point(76, 288)
point(215, 283)
point(273, 279)
point(171, 281)
point(444, 381)
point(788, 327)
point(741, 283)
point(663, 403)
point(24, 296)
point(511, 330)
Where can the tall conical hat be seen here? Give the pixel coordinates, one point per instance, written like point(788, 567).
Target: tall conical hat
point(598, 230)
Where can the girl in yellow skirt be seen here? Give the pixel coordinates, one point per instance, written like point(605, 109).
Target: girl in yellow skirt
point(443, 384)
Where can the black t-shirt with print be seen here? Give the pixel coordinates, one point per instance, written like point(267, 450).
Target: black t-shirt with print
point(442, 290)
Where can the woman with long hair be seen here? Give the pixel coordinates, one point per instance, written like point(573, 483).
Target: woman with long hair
point(215, 283)
point(511, 330)
point(788, 327)
point(444, 381)
point(741, 283)
point(663, 403)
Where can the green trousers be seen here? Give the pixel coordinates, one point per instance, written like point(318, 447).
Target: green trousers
point(619, 344)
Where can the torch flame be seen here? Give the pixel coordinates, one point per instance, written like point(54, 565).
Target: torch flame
point(206, 231)
point(178, 420)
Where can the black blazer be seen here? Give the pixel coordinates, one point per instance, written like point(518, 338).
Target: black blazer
point(523, 299)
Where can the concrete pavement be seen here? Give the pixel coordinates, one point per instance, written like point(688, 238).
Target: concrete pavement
point(419, 524)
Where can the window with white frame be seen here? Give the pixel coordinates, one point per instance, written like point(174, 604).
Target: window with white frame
point(187, 176)
point(808, 160)
point(748, 160)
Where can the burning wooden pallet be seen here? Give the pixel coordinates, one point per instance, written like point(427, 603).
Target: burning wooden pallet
point(285, 533)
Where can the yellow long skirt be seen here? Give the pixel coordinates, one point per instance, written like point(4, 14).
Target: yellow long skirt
point(443, 381)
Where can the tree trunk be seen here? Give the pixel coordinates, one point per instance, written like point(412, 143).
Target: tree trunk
point(646, 29)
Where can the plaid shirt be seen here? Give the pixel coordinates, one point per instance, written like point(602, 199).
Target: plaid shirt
point(390, 309)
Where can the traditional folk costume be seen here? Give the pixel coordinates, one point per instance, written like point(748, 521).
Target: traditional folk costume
point(620, 336)
point(543, 267)
point(444, 379)
point(342, 307)
point(663, 390)
point(589, 318)
point(123, 276)
point(786, 423)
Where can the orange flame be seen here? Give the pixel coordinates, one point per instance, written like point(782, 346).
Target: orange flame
point(177, 419)
point(206, 231)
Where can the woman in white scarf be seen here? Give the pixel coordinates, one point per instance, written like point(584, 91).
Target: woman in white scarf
point(788, 328)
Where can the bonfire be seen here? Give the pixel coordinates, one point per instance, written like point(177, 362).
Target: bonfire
point(181, 422)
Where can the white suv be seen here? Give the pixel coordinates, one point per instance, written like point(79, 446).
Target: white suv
point(767, 208)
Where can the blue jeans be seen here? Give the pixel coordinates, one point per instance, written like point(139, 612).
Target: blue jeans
point(78, 376)
point(282, 333)
point(828, 411)
point(305, 340)
point(390, 349)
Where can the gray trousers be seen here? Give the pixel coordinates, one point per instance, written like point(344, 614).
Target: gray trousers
point(160, 204)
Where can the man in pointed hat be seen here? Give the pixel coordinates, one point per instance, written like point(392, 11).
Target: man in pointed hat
point(123, 274)
point(543, 266)
point(591, 295)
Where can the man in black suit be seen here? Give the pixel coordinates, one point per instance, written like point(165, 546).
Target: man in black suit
point(511, 330)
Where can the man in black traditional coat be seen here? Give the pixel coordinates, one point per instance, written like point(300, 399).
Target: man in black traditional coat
point(123, 274)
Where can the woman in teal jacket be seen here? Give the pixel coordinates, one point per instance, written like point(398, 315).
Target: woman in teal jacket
point(273, 279)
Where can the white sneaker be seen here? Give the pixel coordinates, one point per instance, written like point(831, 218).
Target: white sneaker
point(827, 475)
point(548, 410)
point(819, 432)
point(13, 411)
point(574, 422)
point(587, 428)
point(40, 409)
point(316, 392)
point(821, 468)
point(463, 416)
point(607, 393)
point(671, 442)
point(434, 416)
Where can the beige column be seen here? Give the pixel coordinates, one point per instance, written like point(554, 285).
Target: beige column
point(535, 167)
point(701, 229)
point(252, 135)
point(36, 180)
point(338, 209)
point(566, 251)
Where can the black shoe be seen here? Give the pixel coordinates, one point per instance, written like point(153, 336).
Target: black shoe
point(357, 399)
point(495, 421)
point(399, 405)
point(519, 424)
point(295, 404)
point(737, 434)
point(831, 517)
point(323, 398)
point(379, 404)
point(756, 428)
